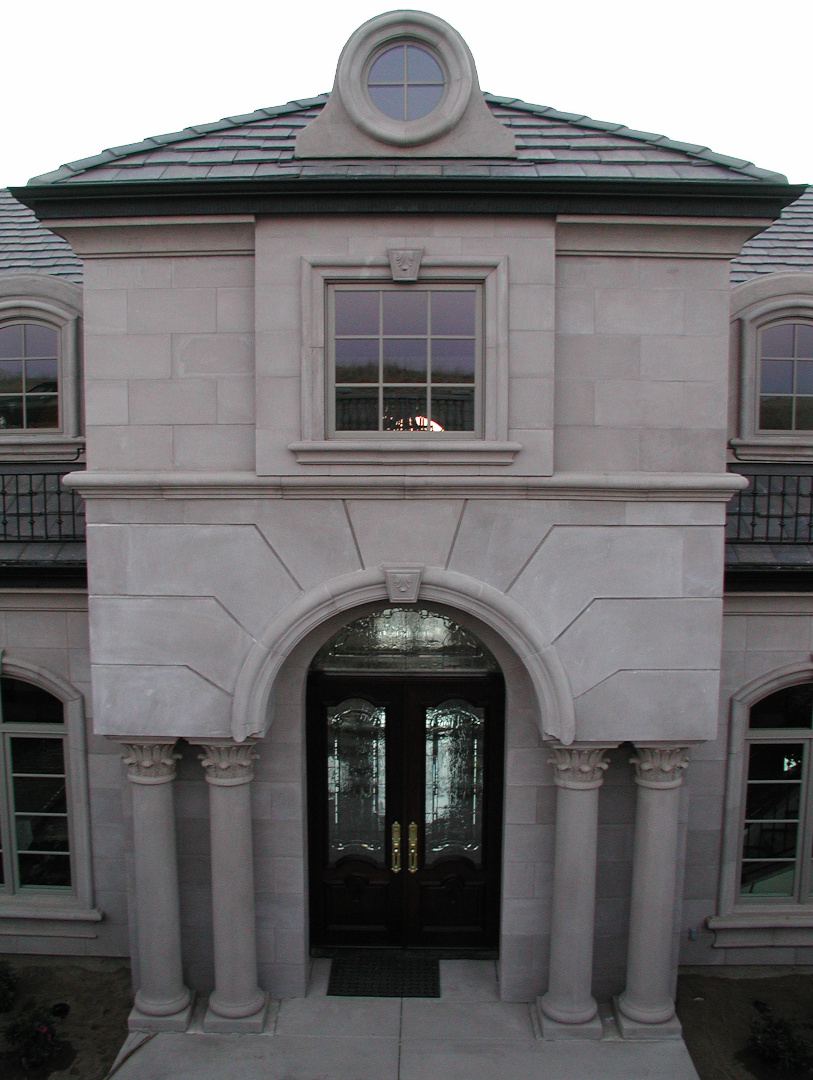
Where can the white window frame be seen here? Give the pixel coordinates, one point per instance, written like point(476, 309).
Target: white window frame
point(749, 921)
point(757, 304)
point(490, 446)
point(47, 301)
point(74, 903)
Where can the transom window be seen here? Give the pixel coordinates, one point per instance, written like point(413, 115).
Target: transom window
point(405, 82)
point(29, 361)
point(786, 377)
point(777, 828)
point(34, 830)
point(405, 359)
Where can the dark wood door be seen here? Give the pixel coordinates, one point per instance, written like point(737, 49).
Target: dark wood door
point(405, 781)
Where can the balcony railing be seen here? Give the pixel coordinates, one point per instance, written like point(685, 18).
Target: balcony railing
point(775, 508)
point(36, 509)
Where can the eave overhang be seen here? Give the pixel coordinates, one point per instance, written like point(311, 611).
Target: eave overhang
point(409, 195)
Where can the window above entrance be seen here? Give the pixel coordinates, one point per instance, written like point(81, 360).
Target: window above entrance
point(404, 639)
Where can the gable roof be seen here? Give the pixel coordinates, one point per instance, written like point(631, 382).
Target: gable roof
point(27, 247)
point(550, 144)
point(786, 246)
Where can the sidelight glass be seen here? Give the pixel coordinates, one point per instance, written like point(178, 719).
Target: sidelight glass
point(356, 780)
point(771, 826)
point(455, 745)
point(40, 811)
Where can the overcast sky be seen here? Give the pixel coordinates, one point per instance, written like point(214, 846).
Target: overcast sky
point(77, 77)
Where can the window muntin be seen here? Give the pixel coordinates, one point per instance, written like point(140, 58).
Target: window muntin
point(34, 823)
point(777, 833)
point(29, 365)
point(405, 359)
point(405, 82)
point(786, 377)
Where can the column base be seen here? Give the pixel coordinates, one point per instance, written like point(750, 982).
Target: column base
point(226, 1025)
point(179, 1021)
point(554, 1031)
point(636, 1031)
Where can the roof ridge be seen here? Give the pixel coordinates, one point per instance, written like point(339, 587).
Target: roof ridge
point(748, 168)
point(71, 168)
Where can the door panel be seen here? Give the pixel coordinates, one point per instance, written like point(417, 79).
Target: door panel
point(419, 759)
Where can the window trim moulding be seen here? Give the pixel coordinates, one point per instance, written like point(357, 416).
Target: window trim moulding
point(56, 303)
point(316, 448)
point(738, 923)
point(756, 303)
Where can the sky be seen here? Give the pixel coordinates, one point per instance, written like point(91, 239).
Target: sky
point(85, 75)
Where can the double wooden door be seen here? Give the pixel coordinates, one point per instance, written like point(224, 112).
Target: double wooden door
point(405, 782)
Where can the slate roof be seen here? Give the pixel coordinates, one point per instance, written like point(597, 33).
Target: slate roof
point(786, 246)
point(27, 247)
point(550, 144)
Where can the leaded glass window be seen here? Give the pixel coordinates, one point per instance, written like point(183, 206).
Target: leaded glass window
point(777, 829)
point(405, 359)
point(34, 823)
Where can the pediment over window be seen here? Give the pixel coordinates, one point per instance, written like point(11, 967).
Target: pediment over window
point(406, 85)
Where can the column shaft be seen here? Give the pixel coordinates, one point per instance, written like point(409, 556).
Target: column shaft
point(578, 776)
point(151, 770)
point(647, 998)
point(236, 997)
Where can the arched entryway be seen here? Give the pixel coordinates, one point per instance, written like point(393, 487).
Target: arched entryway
point(405, 737)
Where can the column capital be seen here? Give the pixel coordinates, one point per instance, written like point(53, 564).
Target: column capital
point(579, 766)
point(226, 762)
point(149, 761)
point(660, 766)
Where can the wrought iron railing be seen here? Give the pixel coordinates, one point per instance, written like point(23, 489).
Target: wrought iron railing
point(37, 509)
point(775, 508)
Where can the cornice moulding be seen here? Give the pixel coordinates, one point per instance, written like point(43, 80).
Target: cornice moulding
point(629, 487)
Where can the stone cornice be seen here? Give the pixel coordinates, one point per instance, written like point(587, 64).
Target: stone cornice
point(624, 487)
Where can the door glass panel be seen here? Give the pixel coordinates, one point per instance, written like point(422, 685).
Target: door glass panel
point(356, 779)
point(454, 781)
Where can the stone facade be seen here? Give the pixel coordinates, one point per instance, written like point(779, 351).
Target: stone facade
point(578, 532)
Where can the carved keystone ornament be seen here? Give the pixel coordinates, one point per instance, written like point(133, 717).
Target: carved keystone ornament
point(403, 583)
point(405, 263)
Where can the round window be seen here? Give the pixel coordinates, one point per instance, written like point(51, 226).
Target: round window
point(405, 82)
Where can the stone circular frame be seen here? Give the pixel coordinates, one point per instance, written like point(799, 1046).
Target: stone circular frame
point(395, 28)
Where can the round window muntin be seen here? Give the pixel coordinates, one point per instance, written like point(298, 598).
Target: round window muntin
point(370, 41)
point(405, 85)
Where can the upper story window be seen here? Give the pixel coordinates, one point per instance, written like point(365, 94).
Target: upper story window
point(777, 830)
point(29, 372)
point(786, 377)
point(34, 824)
point(405, 359)
point(405, 82)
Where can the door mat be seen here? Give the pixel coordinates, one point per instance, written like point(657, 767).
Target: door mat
point(383, 974)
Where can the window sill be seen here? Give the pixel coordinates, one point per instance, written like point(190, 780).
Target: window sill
point(764, 927)
point(400, 452)
point(39, 447)
point(774, 448)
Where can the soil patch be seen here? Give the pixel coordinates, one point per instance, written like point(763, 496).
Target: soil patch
point(99, 995)
point(717, 1011)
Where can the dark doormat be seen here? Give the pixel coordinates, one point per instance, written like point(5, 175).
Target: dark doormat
point(388, 973)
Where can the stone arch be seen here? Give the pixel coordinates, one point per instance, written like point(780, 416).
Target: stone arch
point(551, 687)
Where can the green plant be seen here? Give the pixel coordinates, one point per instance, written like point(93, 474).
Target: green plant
point(8, 986)
point(777, 1041)
point(33, 1036)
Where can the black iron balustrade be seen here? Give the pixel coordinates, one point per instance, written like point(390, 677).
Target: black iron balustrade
point(36, 508)
point(775, 508)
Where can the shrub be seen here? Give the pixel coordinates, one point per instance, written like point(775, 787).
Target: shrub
point(776, 1040)
point(33, 1036)
point(8, 986)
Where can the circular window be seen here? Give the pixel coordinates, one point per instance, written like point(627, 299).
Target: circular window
point(405, 82)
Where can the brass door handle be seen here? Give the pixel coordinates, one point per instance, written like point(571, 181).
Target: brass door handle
point(396, 847)
point(413, 848)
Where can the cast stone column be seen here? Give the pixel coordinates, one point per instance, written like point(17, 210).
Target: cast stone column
point(648, 998)
point(237, 1003)
point(162, 1002)
point(578, 774)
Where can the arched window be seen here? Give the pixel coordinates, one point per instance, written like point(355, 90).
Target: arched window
point(35, 826)
point(786, 377)
point(29, 376)
point(777, 830)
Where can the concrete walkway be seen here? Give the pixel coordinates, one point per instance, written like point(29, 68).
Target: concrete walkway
point(468, 1034)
